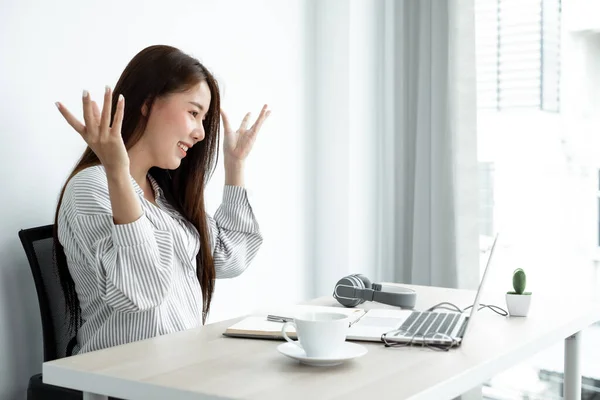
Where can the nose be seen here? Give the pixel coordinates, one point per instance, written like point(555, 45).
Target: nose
point(198, 133)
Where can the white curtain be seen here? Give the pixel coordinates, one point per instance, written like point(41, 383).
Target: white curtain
point(430, 153)
point(394, 142)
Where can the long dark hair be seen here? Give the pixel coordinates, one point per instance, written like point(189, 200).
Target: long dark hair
point(154, 72)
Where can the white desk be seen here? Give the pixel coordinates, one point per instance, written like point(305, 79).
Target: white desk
point(202, 364)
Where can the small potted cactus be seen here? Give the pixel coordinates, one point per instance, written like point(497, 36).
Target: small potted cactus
point(519, 300)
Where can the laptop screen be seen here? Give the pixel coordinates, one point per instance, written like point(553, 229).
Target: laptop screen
point(480, 290)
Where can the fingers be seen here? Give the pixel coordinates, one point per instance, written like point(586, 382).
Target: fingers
point(244, 124)
point(71, 120)
point(264, 114)
point(106, 109)
point(96, 111)
point(88, 113)
point(92, 116)
point(226, 124)
point(118, 120)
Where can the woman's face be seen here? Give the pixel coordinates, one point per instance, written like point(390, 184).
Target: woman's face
point(175, 125)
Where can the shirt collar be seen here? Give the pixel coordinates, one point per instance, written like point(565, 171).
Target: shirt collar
point(158, 193)
point(136, 187)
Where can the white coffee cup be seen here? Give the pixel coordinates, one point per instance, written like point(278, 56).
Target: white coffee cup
point(320, 334)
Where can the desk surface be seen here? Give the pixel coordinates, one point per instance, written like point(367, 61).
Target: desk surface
point(202, 364)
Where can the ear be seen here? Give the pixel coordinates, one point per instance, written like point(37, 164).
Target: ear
point(145, 109)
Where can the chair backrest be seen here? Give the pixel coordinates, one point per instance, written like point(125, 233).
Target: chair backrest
point(38, 245)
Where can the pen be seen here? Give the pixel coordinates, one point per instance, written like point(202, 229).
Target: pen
point(277, 318)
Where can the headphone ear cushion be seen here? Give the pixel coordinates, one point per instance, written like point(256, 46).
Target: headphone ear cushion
point(366, 281)
point(352, 281)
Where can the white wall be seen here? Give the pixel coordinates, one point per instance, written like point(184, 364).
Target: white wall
point(53, 50)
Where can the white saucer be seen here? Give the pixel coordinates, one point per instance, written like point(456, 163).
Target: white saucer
point(348, 352)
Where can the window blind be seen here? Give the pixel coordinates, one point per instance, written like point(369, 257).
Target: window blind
point(518, 54)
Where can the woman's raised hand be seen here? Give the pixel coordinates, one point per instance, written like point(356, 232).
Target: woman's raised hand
point(104, 140)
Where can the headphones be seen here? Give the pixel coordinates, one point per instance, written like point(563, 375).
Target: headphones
point(355, 289)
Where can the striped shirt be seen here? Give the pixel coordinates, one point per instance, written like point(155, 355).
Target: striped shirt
point(138, 280)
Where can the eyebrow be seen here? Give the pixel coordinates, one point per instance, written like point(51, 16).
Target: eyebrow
point(197, 105)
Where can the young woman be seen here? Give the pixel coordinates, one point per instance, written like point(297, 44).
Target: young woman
point(136, 253)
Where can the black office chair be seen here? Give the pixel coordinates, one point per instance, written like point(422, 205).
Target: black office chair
point(38, 245)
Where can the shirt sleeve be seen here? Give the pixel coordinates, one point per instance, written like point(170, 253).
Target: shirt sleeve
point(131, 264)
point(235, 234)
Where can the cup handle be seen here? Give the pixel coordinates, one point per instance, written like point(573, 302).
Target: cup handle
point(286, 337)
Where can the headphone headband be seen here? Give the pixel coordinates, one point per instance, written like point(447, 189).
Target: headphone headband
point(353, 290)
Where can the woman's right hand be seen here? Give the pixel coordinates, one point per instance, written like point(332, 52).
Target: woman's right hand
point(104, 140)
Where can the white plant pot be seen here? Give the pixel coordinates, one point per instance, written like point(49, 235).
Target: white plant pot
point(518, 304)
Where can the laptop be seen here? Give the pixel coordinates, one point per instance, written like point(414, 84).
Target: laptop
point(440, 328)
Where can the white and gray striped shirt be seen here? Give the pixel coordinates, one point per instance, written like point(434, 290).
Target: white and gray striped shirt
point(138, 280)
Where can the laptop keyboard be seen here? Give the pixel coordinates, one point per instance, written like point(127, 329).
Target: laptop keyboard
point(421, 323)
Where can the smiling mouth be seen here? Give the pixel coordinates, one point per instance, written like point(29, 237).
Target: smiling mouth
point(182, 146)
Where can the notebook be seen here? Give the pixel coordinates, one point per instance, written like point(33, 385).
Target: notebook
point(365, 325)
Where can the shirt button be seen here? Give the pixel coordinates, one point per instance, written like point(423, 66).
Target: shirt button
point(191, 273)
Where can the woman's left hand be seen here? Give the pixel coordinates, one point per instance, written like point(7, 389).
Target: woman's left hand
point(237, 144)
